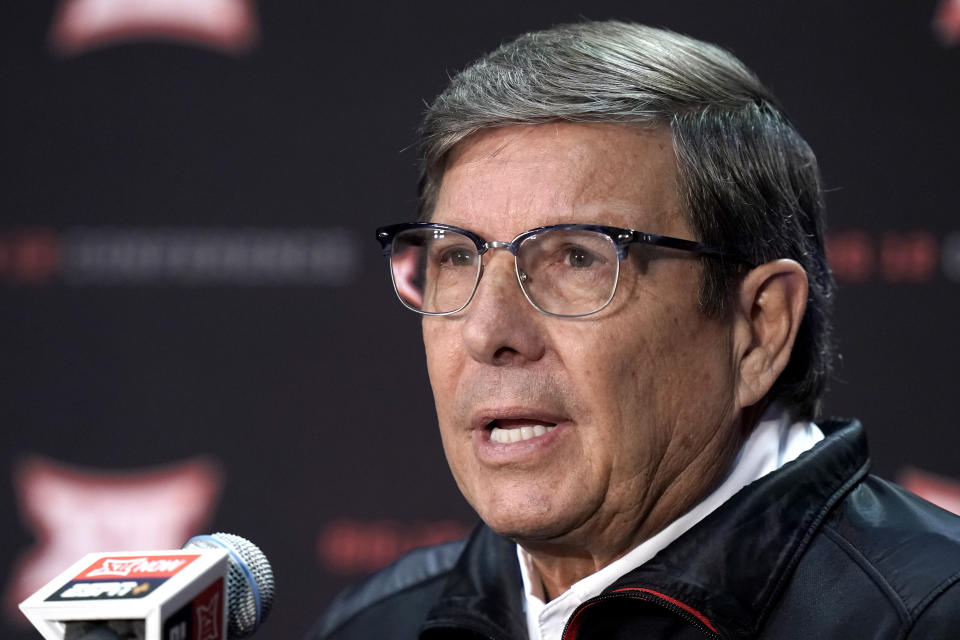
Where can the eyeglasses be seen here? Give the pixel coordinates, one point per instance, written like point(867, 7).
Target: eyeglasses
point(566, 270)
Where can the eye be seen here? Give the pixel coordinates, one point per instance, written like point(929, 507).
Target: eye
point(457, 257)
point(578, 257)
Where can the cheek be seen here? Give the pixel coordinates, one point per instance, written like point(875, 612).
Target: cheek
point(694, 376)
point(444, 356)
point(606, 366)
point(651, 370)
point(438, 343)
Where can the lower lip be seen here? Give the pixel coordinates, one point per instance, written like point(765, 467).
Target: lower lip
point(506, 452)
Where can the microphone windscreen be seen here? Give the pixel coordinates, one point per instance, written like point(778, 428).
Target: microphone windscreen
point(250, 584)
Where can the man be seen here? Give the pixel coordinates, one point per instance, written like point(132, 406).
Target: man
point(625, 304)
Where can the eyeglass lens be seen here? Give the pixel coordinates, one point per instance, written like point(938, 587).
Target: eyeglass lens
point(565, 272)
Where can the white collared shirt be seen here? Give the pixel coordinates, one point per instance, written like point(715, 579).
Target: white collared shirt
point(773, 443)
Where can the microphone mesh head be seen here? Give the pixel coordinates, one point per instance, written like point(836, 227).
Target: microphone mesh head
point(249, 582)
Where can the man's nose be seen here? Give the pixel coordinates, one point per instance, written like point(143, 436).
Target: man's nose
point(500, 326)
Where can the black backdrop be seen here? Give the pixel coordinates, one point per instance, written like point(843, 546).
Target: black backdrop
point(189, 281)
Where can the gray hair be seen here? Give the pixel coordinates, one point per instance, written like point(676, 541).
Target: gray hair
point(749, 181)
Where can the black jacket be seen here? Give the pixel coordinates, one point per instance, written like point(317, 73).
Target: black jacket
point(818, 549)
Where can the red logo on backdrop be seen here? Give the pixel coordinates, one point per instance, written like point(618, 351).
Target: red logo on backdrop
point(29, 256)
point(142, 567)
point(947, 21)
point(355, 547)
point(226, 25)
point(941, 491)
point(895, 257)
point(78, 511)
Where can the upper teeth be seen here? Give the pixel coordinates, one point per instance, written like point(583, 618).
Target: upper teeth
point(516, 435)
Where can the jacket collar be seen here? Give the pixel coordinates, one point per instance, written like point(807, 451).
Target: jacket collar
point(709, 567)
point(735, 584)
point(483, 593)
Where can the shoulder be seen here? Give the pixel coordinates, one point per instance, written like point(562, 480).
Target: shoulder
point(884, 563)
point(392, 602)
point(906, 546)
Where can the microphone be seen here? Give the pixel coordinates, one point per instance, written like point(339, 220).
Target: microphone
point(217, 587)
point(250, 583)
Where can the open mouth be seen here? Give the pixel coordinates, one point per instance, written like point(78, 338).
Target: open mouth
point(517, 430)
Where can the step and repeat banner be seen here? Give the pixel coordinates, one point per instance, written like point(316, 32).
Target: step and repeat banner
point(198, 331)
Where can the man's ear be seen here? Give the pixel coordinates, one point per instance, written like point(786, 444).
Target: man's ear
point(770, 306)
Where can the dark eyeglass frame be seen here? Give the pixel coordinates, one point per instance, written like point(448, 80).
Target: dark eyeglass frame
point(621, 237)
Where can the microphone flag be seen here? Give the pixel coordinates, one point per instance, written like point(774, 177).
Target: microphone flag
point(155, 595)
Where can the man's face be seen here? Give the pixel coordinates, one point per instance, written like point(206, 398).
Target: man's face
point(639, 395)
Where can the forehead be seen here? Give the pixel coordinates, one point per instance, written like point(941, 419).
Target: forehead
point(507, 180)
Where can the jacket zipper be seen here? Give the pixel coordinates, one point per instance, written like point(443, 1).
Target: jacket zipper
point(645, 595)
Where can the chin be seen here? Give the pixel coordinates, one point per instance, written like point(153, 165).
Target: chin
point(530, 525)
point(526, 509)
